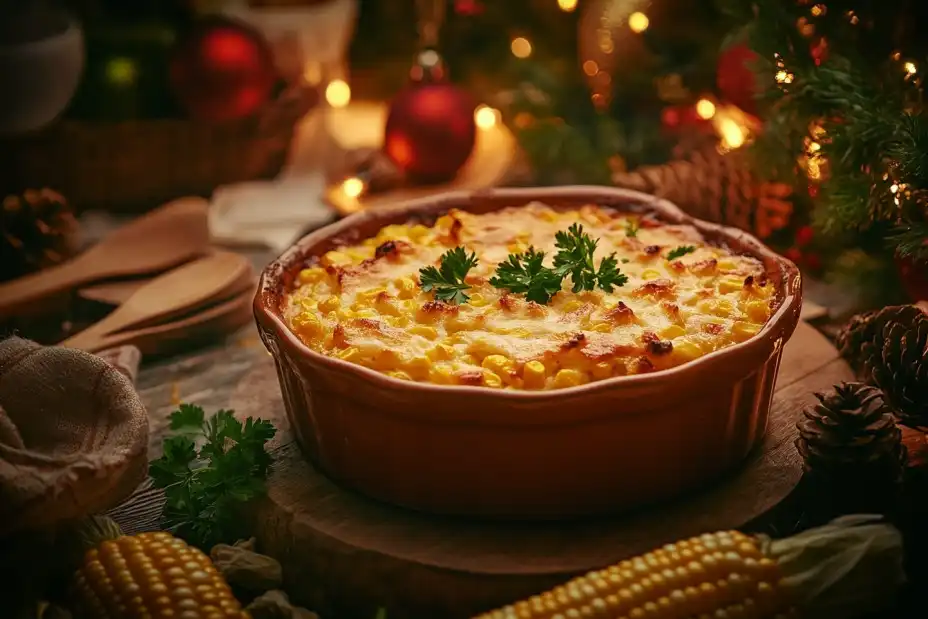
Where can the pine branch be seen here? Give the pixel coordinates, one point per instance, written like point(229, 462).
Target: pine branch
point(910, 241)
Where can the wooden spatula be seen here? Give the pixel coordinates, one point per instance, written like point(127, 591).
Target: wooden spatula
point(216, 320)
point(159, 240)
point(118, 292)
point(170, 295)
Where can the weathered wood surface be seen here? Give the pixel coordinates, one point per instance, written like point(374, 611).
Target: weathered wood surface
point(345, 554)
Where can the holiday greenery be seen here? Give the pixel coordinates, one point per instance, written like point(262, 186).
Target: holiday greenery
point(841, 95)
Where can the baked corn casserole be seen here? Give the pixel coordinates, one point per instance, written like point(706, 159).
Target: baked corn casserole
point(528, 297)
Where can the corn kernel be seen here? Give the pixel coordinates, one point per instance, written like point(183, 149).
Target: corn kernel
point(741, 330)
point(311, 275)
point(602, 327)
point(717, 307)
point(602, 370)
point(308, 324)
point(478, 300)
point(405, 288)
point(357, 255)
point(572, 306)
point(468, 360)
point(442, 375)
point(648, 274)
point(730, 285)
point(385, 360)
point(418, 367)
point(442, 352)
point(673, 331)
point(758, 311)
point(492, 379)
point(393, 231)
point(517, 248)
point(418, 232)
point(569, 378)
point(533, 375)
point(547, 215)
point(335, 258)
point(686, 351)
point(425, 331)
point(497, 363)
point(351, 354)
point(329, 304)
point(399, 374)
point(727, 264)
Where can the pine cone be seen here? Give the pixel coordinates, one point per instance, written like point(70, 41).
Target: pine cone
point(716, 187)
point(861, 340)
point(901, 370)
point(887, 348)
point(37, 230)
point(851, 435)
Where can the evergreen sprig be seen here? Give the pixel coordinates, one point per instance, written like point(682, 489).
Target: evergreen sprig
point(860, 106)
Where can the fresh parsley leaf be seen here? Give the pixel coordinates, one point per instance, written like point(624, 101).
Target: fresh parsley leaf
point(609, 274)
point(575, 258)
point(526, 273)
point(205, 486)
point(679, 252)
point(187, 417)
point(632, 226)
point(448, 279)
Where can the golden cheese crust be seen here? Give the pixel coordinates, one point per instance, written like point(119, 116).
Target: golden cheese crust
point(362, 303)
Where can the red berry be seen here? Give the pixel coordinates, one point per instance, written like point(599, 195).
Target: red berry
point(793, 254)
point(804, 235)
point(813, 262)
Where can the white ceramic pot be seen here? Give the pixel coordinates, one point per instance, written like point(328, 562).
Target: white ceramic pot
point(38, 79)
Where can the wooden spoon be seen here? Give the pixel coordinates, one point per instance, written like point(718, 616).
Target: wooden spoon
point(159, 240)
point(118, 292)
point(216, 320)
point(172, 294)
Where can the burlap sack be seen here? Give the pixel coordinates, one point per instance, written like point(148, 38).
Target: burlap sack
point(73, 435)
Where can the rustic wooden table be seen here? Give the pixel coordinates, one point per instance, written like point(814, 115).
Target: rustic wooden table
point(221, 375)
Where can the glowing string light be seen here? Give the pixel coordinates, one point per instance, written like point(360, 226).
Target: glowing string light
point(338, 93)
point(521, 47)
point(567, 5)
point(353, 187)
point(638, 22)
point(486, 117)
point(705, 109)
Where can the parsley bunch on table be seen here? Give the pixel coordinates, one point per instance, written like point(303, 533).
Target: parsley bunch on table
point(209, 467)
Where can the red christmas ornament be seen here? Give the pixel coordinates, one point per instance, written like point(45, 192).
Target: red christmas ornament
point(430, 131)
point(222, 70)
point(735, 79)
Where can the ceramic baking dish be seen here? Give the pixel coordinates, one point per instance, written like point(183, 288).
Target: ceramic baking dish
point(598, 448)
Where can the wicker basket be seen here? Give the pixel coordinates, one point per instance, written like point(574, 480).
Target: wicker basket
point(138, 164)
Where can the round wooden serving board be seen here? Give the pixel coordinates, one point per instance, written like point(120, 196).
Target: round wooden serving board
point(344, 555)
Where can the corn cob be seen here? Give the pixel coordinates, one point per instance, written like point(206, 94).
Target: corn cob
point(730, 575)
point(150, 576)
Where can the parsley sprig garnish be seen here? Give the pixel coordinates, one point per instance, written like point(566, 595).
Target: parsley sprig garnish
point(527, 273)
point(209, 467)
point(679, 252)
point(575, 258)
point(632, 225)
point(448, 279)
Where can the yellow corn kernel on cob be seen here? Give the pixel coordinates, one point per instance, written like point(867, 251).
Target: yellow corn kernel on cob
point(150, 575)
point(844, 569)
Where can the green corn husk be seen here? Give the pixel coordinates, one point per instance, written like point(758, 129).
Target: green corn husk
point(848, 568)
